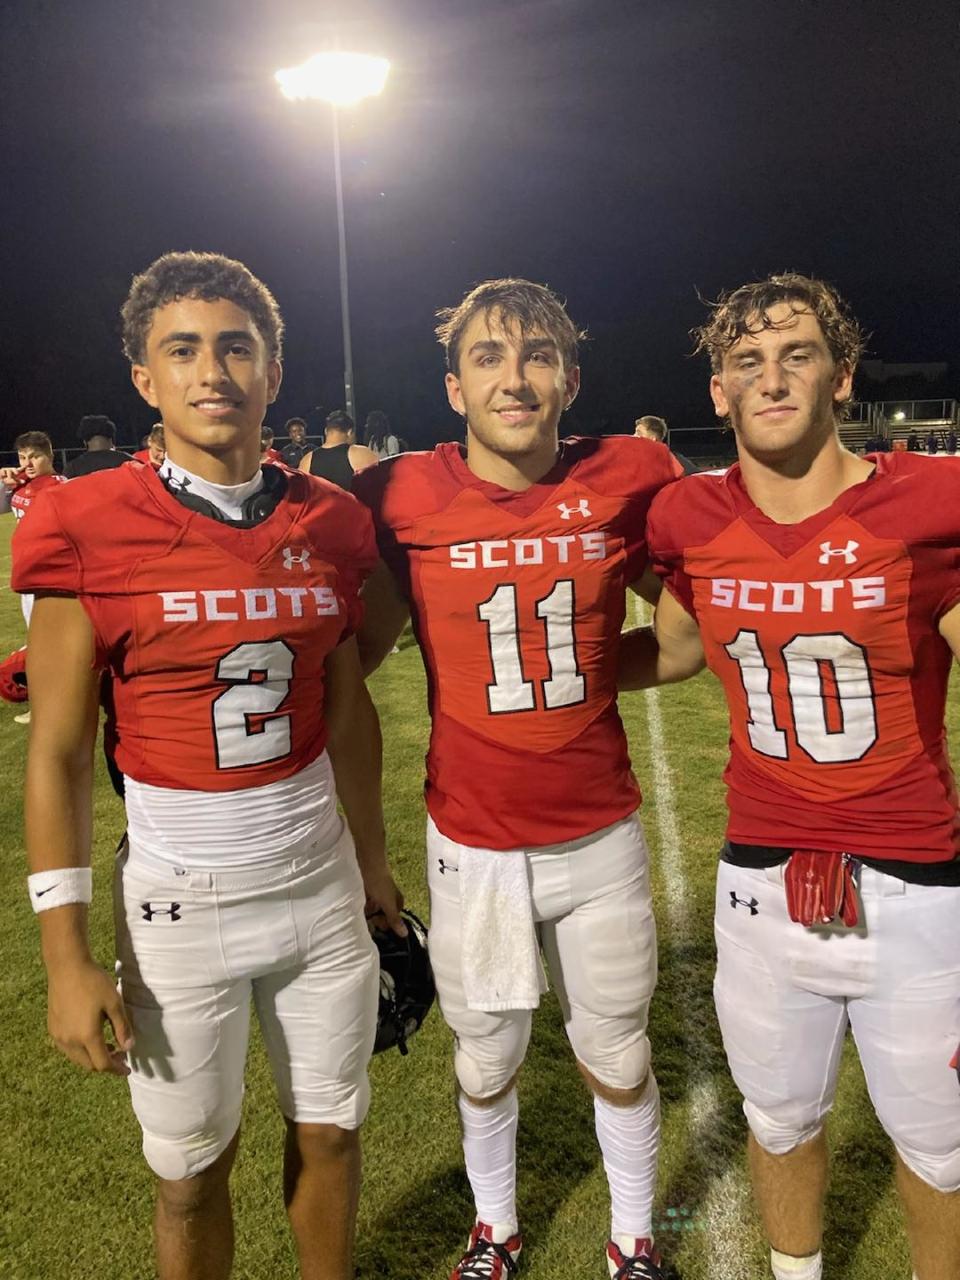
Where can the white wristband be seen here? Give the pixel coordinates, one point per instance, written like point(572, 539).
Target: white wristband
point(60, 887)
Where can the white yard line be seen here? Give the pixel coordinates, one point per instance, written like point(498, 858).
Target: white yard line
point(726, 1200)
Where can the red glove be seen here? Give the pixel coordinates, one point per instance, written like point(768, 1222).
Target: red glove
point(820, 887)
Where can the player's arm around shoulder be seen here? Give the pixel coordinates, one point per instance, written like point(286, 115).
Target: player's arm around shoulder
point(64, 703)
point(385, 614)
point(668, 651)
point(385, 607)
point(356, 753)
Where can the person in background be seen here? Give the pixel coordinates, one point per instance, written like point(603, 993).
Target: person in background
point(291, 453)
point(19, 487)
point(378, 435)
point(339, 458)
point(650, 427)
point(267, 452)
point(154, 450)
point(99, 435)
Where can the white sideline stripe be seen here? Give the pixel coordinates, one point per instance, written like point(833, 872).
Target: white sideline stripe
point(726, 1200)
point(674, 882)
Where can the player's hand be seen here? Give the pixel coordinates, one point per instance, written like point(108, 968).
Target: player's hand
point(10, 476)
point(80, 998)
point(384, 901)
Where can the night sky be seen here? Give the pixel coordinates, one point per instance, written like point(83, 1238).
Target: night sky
point(628, 154)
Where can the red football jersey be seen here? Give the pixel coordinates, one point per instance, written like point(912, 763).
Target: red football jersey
point(22, 498)
point(517, 601)
point(824, 634)
point(215, 636)
point(143, 455)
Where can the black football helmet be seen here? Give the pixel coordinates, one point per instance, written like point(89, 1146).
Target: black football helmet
point(407, 988)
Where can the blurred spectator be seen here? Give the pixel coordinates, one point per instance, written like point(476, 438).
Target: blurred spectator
point(155, 448)
point(100, 437)
point(877, 444)
point(19, 486)
point(34, 472)
point(339, 457)
point(650, 427)
point(951, 441)
point(379, 437)
point(933, 445)
point(267, 452)
point(291, 453)
point(913, 442)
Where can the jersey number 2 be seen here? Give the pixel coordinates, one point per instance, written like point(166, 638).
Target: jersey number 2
point(509, 691)
point(259, 675)
point(818, 667)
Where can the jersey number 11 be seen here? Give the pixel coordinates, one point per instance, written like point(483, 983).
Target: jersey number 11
point(510, 691)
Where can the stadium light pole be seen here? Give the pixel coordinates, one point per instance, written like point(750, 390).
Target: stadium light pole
point(342, 79)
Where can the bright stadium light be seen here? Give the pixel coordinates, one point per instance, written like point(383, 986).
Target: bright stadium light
point(343, 80)
point(899, 416)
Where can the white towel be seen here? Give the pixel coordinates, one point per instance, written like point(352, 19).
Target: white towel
point(499, 951)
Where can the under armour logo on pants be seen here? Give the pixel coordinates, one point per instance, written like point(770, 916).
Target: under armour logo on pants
point(151, 909)
point(752, 905)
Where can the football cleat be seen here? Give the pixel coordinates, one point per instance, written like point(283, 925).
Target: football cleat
point(13, 676)
point(486, 1258)
point(641, 1262)
point(407, 988)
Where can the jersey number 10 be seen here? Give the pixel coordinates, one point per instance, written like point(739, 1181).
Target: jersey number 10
point(818, 667)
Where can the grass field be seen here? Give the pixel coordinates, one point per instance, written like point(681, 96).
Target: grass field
point(75, 1195)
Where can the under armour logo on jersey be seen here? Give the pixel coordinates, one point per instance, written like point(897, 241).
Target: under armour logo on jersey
point(826, 551)
point(151, 909)
point(581, 509)
point(291, 557)
point(446, 866)
point(751, 904)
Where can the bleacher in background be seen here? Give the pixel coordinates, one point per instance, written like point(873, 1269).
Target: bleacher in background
point(892, 420)
point(869, 421)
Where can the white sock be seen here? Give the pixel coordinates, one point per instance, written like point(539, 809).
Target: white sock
point(785, 1267)
point(490, 1154)
point(629, 1138)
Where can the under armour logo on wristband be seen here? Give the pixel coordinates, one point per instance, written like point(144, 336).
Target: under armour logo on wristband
point(751, 904)
point(581, 509)
point(826, 551)
point(291, 557)
point(151, 909)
